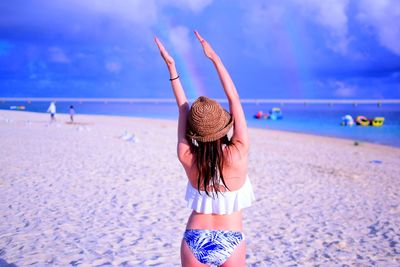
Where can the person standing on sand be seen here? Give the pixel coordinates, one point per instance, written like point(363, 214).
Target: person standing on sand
point(52, 110)
point(218, 185)
point(71, 113)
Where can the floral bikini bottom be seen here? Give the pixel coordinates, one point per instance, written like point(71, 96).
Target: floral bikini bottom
point(212, 247)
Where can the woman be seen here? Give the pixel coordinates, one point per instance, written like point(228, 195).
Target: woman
point(218, 187)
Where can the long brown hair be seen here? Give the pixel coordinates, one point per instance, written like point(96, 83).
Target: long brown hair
point(210, 159)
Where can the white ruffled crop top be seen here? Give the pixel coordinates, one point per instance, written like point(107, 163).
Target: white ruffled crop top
point(225, 203)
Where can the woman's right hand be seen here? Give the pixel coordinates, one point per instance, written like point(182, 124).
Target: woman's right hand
point(164, 53)
point(208, 51)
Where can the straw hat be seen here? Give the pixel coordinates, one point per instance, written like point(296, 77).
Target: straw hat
point(208, 120)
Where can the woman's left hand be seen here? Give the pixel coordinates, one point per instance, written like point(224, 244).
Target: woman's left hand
point(164, 53)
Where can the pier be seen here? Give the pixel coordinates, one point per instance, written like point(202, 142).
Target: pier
point(330, 102)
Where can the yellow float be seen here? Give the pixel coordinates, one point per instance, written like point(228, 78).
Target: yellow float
point(378, 121)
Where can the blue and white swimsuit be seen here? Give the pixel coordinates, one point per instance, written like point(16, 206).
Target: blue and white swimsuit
point(214, 247)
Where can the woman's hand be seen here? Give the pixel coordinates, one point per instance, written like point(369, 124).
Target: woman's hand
point(208, 51)
point(164, 53)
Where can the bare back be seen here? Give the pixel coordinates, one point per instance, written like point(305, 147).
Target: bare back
point(235, 173)
point(234, 169)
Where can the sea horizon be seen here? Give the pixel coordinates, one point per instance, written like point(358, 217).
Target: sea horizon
point(330, 101)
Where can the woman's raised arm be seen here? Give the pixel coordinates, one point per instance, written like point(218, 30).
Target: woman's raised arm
point(181, 100)
point(240, 133)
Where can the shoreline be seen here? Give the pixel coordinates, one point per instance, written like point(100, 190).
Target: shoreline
point(360, 142)
point(110, 191)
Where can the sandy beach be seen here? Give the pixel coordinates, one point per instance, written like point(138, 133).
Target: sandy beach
point(92, 194)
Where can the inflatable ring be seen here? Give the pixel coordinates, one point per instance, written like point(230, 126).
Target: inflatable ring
point(362, 120)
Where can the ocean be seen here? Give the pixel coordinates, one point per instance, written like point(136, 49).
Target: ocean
point(319, 119)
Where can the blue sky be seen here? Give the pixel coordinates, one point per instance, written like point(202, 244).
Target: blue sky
point(273, 49)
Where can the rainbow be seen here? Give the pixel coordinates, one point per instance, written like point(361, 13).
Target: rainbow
point(191, 81)
point(296, 72)
point(185, 64)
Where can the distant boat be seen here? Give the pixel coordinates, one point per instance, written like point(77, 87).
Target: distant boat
point(18, 107)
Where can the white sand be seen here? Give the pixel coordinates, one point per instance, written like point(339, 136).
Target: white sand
point(80, 195)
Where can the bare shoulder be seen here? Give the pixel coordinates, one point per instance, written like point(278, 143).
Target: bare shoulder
point(238, 150)
point(236, 159)
point(186, 158)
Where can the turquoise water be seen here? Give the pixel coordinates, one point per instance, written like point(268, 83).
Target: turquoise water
point(313, 118)
point(325, 120)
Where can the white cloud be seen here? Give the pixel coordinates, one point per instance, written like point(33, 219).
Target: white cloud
point(330, 14)
point(194, 5)
point(258, 14)
point(261, 17)
point(137, 11)
point(262, 23)
point(384, 17)
point(130, 22)
point(179, 37)
point(145, 12)
point(333, 16)
point(341, 89)
point(113, 67)
point(58, 55)
point(77, 16)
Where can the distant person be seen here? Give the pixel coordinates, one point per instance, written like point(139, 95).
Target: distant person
point(52, 110)
point(218, 186)
point(71, 113)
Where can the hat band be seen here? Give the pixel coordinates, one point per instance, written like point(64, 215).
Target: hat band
point(211, 137)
